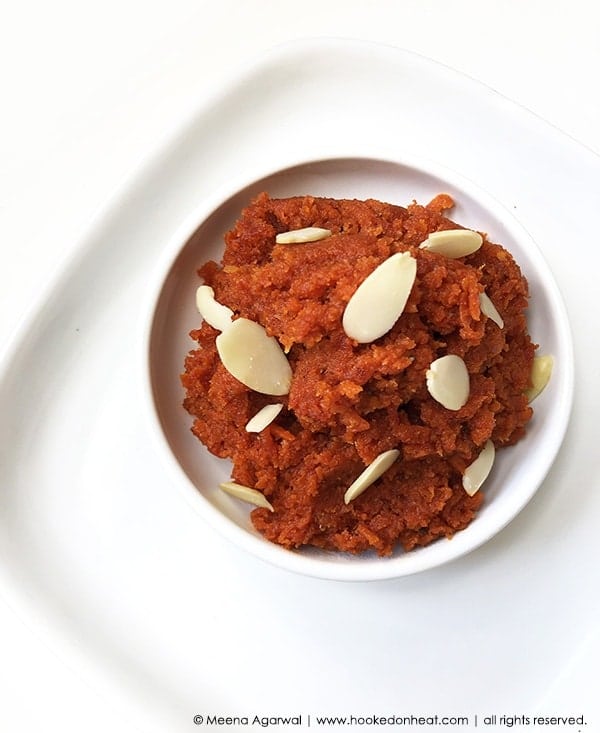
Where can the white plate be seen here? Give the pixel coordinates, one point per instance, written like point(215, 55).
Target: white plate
point(99, 550)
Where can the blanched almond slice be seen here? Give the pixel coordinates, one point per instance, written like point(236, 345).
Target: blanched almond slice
point(489, 310)
point(379, 300)
point(245, 493)
point(448, 381)
point(214, 313)
point(371, 473)
point(254, 358)
point(541, 372)
point(478, 471)
point(453, 243)
point(301, 236)
point(263, 418)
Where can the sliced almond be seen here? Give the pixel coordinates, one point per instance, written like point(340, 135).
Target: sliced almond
point(448, 381)
point(478, 471)
point(453, 243)
point(371, 473)
point(254, 358)
point(489, 309)
point(263, 418)
point(302, 236)
point(214, 313)
point(541, 372)
point(245, 493)
point(379, 300)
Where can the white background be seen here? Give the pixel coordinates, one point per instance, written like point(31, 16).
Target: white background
point(88, 89)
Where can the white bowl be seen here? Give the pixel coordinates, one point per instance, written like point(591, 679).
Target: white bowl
point(518, 471)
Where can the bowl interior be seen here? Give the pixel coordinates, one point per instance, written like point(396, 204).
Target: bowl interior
point(518, 470)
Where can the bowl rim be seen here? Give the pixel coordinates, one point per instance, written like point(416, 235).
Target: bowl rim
point(323, 565)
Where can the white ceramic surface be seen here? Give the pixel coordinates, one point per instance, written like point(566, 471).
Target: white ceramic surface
point(100, 554)
point(518, 471)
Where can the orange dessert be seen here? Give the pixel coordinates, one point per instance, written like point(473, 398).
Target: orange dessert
point(351, 404)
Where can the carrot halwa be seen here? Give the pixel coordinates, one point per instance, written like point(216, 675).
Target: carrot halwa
point(349, 402)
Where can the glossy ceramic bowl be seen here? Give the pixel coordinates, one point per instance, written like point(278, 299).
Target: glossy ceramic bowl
point(518, 471)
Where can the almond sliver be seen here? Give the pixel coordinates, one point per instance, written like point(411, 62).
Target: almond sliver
point(541, 372)
point(453, 243)
point(379, 300)
point(254, 358)
point(371, 473)
point(489, 309)
point(302, 236)
point(263, 418)
point(245, 493)
point(448, 381)
point(479, 470)
point(214, 313)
